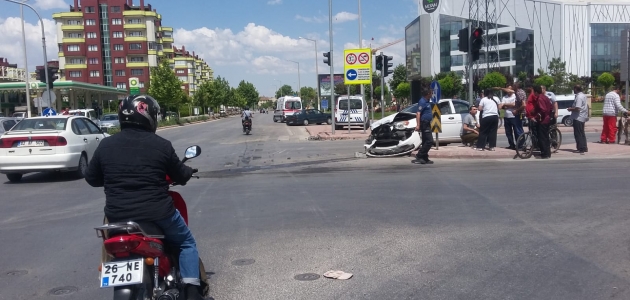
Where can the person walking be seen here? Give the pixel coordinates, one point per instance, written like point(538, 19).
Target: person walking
point(612, 106)
point(423, 119)
point(579, 114)
point(489, 107)
point(513, 125)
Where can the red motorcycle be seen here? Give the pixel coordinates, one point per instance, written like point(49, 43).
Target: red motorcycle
point(247, 125)
point(139, 265)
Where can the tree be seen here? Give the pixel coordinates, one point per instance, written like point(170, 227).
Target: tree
point(285, 90)
point(249, 93)
point(522, 76)
point(377, 92)
point(606, 80)
point(342, 89)
point(558, 71)
point(493, 79)
point(450, 84)
point(545, 80)
point(165, 87)
point(309, 96)
point(403, 92)
point(399, 76)
point(446, 87)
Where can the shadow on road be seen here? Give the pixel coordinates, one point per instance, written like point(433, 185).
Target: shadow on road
point(46, 177)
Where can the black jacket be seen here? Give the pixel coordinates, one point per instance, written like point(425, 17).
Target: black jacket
point(132, 166)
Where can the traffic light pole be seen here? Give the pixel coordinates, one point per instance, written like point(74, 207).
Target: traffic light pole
point(470, 66)
point(26, 73)
point(41, 22)
point(383, 87)
point(333, 104)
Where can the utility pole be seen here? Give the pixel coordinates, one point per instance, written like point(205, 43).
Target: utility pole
point(332, 70)
point(383, 87)
point(470, 66)
point(27, 75)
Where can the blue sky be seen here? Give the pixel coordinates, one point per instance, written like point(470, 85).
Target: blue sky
point(243, 39)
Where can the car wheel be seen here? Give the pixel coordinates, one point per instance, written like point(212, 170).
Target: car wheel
point(567, 121)
point(82, 167)
point(14, 177)
point(329, 121)
point(275, 120)
point(305, 122)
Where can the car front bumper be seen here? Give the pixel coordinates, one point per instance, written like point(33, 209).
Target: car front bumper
point(31, 163)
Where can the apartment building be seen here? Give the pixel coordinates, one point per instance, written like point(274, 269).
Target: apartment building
point(190, 69)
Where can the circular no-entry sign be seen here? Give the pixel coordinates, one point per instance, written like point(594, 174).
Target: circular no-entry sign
point(351, 59)
point(364, 58)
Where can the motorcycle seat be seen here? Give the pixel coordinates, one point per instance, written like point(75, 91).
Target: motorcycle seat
point(149, 228)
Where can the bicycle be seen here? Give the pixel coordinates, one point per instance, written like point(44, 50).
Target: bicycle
point(527, 142)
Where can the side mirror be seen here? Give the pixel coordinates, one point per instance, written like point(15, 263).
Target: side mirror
point(192, 152)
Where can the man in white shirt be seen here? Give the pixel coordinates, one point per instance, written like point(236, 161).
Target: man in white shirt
point(513, 125)
point(489, 120)
point(612, 107)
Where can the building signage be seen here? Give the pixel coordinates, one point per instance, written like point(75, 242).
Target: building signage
point(430, 5)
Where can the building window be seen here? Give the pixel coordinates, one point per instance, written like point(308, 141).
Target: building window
point(93, 61)
point(183, 78)
point(120, 72)
point(181, 71)
point(90, 22)
point(116, 21)
point(134, 21)
point(92, 48)
point(167, 34)
point(137, 72)
point(141, 84)
point(73, 22)
point(115, 9)
point(74, 74)
point(180, 62)
point(73, 48)
point(119, 60)
point(117, 34)
point(76, 61)
point(121, 85)
point(91, 35)
point(152, 46)
point(118, 47)
point(75, 35)
point(135, 46)
point(89, 9)
point(135, 33)
point(95, 74)
point(136, 59)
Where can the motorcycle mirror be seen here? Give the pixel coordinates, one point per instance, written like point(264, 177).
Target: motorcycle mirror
point(192, 152)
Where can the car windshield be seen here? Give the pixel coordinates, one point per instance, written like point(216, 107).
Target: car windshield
point(109, 118)
point(293, 105)
point(354, 104)
point(410, 109)
point(41, 124)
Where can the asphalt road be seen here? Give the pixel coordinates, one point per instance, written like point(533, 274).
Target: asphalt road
point(496, 229)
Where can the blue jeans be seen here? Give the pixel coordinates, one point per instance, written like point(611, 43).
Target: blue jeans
point(513, 129)
point(176, 232)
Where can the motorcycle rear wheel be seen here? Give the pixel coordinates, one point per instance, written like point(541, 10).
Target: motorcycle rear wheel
point(143, 291)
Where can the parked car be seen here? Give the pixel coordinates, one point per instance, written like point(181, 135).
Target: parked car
point(19, 115)
point(109, 121)
point(88, 113)
point(564, 102)
point(57, 143)
point(308, 116)
point(7, 123)
point(453, 112)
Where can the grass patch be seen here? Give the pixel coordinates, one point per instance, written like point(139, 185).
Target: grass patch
point(170, 122)
point(597, 109)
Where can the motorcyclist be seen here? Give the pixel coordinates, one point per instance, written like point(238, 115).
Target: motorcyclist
point(246, 115)
point(132, 167)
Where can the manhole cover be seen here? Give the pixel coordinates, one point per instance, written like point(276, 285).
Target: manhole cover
point(306, 277)
point(64, 290)
point(243, 262)
point(17, 272)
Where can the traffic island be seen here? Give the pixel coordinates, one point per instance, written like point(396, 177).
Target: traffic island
point(324, 133)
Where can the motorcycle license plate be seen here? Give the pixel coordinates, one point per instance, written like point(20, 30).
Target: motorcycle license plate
point(121, 273)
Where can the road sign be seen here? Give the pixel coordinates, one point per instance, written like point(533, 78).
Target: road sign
point(49, 112)
point(436, 123)
point(357, 66)
point(134, 86)
point(325, 104)
point(437, 91)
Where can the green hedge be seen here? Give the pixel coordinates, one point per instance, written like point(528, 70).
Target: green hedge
point(165, 123)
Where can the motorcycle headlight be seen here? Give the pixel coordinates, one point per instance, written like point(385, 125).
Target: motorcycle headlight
point(401, 125)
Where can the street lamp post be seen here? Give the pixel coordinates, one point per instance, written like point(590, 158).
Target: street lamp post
point(316, 74)
point(299, 86)
point(27, 75)
point(41, 22)
point(361, 44)
point(332, 70)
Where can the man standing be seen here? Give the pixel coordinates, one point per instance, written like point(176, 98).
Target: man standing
point(551, 97)
point(539, 113)
point(579, 114)
point(423, 119)
point(513, 125)
point(470, 128)
point(612, 106)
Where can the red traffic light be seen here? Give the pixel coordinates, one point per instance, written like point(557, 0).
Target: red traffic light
point(477, 33)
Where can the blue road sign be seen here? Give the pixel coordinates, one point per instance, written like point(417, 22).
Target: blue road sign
point(325, 104)
point(49, 112)
point(435, 87)
point(351, 74)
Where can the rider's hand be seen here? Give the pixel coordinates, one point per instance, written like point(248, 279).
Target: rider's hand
point(195, 171)
point(418, 128)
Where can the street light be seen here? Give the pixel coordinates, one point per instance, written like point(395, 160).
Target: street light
point(299, 92)
point(41, 22)
point(27, 75)
point(316, 73)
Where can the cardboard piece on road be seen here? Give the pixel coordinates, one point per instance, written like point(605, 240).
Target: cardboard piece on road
point(436, 122)
point(338, 275)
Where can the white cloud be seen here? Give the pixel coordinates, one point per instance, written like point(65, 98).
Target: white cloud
point(344, 17)
point(51, 4)
point(311, 19)
point(11, 41)
point(274, 2)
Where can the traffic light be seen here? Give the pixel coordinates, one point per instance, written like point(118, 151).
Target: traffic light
point(41, 75)
point(379, 63)
point(387, 63)
point(476, 43)
point(463, 40)
point(327, 58)
point(52, 76)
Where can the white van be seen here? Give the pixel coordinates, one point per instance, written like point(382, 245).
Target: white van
point(564, 102)
point(359, 113)
point(286, 106)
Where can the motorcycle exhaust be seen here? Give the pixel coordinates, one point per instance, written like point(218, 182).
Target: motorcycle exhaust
point(172, 294)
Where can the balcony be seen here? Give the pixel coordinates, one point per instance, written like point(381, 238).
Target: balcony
point(71, 14)
point(135, 39)
point(138, 64)
point(168, 50)
point(135, 26)
point(166, 39)
point(60, 54)
point(75, 66)
point(73, 40)
point(152, 52)
point(166, 29)
point(72, 27)
point(139, 13)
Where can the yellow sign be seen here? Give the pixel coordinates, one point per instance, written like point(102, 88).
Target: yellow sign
point(357, 66)
point(436, 123)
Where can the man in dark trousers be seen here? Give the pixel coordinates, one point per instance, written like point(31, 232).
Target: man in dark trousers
point(423, 119)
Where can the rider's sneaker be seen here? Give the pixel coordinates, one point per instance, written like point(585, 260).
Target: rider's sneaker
point(192, 292)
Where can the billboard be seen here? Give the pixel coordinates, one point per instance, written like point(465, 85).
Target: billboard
point(323, 82)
